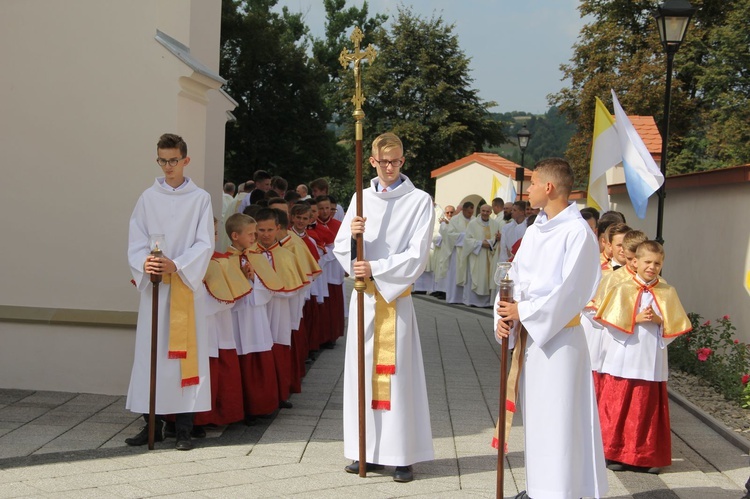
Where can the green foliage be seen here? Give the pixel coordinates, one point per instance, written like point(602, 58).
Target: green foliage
point(550, 134)
point(620, 49)
point(281, 114)
point(419, 88)
point(712, 352)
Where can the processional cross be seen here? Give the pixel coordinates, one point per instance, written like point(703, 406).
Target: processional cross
point(346, 57)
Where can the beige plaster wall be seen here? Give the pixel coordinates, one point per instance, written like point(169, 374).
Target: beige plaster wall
point(66, 358)
point(86, 92)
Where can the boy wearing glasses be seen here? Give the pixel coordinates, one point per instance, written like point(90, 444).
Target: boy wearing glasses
point(398, 218)
point(175, 207)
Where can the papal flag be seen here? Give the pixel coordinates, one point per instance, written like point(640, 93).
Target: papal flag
point(642, 176)
point(496, 186)
point(605, 153)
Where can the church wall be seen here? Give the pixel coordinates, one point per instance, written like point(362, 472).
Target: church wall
point(706, 244)
point(66, 358)
point(87, 91)
point(474, 178)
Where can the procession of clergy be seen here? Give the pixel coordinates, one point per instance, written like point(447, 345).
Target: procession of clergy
point(466, 249)
point(272, 295)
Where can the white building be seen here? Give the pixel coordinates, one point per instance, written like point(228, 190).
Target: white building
point(88, 86)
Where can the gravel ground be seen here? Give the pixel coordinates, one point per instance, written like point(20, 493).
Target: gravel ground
point(700, 393)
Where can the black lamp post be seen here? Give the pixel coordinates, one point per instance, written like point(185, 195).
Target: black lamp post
point(672, 19)
point(523, 136)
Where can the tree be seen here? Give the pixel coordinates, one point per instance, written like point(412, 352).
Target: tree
point(620, 49)
point(282, 116)
point(419, 88)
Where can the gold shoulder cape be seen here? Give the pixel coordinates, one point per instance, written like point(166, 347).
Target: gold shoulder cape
point(263, 269)
point(305, 260)
point(225, 280)
point(620, 307)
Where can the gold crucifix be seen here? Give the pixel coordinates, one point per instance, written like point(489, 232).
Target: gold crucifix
point(357, 56)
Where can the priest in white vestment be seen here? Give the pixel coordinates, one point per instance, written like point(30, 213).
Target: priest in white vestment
point(442, 249)
point(482, 238)
point(456, 276)
point(180, 211)
point(397, 230)
point(556, 273)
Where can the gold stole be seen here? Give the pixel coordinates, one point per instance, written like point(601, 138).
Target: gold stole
point(516, 364)
point(183, 343)
point(384, 347)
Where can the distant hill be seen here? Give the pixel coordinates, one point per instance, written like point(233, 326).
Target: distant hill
point(550, 134)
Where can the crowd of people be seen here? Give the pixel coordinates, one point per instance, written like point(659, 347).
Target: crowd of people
point(240, 319)
point(467, 246)
point(256, 309)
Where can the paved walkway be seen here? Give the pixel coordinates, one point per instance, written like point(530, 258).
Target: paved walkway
point(71, 445)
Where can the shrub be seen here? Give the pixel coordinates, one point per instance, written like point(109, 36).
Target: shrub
point(712, 352)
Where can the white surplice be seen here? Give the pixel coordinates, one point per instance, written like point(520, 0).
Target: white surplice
point(510, 234)
point(184, 217)
point(556, 273)
point(397, 239)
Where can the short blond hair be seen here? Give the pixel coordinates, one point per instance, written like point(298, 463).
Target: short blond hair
point(649, 247)
point(557, 171)
point(632, 239)
point(237, 222)
point(386, 142)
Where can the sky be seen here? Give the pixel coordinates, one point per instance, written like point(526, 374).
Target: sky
point(516, 46)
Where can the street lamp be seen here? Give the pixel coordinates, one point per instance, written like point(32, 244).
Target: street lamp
point(672, 19)
point(523, 136)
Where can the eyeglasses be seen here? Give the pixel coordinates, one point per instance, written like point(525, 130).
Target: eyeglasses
point(396, 163)
point(170, 162)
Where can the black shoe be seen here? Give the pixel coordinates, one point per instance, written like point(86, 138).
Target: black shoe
point(251, 421)
point(653, 470)
point(198, 432)
point(183, 441)
point(169, 430)
point(142, 437)
point(354, 467)
point(329, 345)
point(403, 474)
point(285, 404)
point(522, 495)
point(615, 466)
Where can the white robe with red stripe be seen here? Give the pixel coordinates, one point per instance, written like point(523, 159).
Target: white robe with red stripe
point(397, 242)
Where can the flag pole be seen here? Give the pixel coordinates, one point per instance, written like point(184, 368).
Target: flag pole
point(346, 57)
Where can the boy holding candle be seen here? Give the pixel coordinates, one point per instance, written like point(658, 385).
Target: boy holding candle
point(175, 207)
point(564, 455)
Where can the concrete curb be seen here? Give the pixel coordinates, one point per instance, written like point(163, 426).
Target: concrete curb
point(729, 435)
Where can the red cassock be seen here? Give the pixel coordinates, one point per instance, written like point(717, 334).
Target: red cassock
point(260, 392)
point(634, 416)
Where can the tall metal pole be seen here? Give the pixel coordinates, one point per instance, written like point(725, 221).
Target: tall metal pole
point(523, 171)
point(357, 56)
point(665, 139)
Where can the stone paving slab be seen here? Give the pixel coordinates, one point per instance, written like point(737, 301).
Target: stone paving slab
point(56, 444)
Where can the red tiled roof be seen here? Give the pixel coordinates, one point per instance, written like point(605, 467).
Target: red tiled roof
point(649, 132)
point(490, 160)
